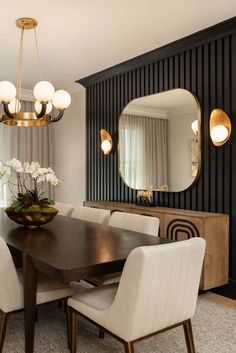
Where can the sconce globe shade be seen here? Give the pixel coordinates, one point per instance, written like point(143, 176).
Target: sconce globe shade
point(38, 107)
point(44, 91)
point(61, 99)
point(194, 127)
point(106, 146)
point(219, 133)
point(7, 91)
point(14, 106)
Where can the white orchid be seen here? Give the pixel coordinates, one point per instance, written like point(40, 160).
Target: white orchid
point(2, 171)
point(31, 168)
point(51, 177)
point(20, 181)
point(15, 165)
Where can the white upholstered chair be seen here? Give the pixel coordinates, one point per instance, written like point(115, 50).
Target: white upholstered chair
point(134, 222)
point(65, 209)
point(157, 291)
point(91, 214)
point(11, 289)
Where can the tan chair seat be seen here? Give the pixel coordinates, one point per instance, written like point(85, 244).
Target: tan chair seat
point(99, 298)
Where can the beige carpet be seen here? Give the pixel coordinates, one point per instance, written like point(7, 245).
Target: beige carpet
point(214, 328)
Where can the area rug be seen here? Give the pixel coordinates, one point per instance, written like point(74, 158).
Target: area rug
point(214, 327)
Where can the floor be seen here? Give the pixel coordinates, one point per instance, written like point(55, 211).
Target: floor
point(219, 299)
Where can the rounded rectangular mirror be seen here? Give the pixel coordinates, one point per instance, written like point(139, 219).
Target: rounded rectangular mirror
point(159, 141)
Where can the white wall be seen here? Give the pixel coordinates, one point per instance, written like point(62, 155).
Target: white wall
point(69, 151)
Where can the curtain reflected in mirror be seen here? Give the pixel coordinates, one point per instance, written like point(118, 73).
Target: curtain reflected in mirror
point(157, 147)
point(143, 150)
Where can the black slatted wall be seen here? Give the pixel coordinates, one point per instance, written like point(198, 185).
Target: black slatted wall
point(204, 64)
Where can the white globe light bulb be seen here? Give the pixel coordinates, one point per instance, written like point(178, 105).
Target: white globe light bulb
point(106, 146)
point(38, 107)
point(44, 91)
point(219, 133)
point(61, 99)
point(7, 91)
point(14, 106)
point(194, 127)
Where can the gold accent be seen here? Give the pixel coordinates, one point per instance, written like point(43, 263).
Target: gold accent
point(105, 136)
point(32, 219)
point(219, 117)
point(26, 23)
point(26, 119)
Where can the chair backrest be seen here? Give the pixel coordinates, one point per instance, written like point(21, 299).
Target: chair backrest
point(65, 209)
point(138, 223)
point(91, 214)
point(158, 287)
point(11, 293)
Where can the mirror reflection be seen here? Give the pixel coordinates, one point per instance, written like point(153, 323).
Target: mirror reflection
point(158, 148)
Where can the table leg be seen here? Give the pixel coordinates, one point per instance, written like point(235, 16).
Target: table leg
point(30, 289)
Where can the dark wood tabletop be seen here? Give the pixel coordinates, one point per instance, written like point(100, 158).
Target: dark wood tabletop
point(68, 249)
point(72, 248)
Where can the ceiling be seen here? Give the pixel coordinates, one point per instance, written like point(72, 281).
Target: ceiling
point(77, 38)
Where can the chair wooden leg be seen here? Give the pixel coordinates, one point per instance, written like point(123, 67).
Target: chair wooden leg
point(68, 321)
point(3, 328)
point(189, 337)
point(73, 330)
point(36, 315)
point(101, 333)
point(65, 305)
point(129, 347)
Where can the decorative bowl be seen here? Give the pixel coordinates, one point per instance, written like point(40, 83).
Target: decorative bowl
point(32, 218)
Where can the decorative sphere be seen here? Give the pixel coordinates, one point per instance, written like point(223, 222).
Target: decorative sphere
point(106, 146)
point(219, 133)
point(44, 91)
point(7, 91)
point(14, 106)
point(38, 107)
point(61, 99)
point(194, 127)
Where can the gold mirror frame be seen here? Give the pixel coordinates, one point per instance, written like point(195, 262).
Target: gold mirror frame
point(197, 117)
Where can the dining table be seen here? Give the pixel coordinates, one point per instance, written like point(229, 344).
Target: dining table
point(69, 250)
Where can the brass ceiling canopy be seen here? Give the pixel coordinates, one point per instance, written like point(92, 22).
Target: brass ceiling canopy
point(26, 23)
point(44, 92)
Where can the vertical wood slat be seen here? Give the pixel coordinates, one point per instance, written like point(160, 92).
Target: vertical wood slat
point(220, 151)
point(213, 150)
point(233, 159)
point(206, 70)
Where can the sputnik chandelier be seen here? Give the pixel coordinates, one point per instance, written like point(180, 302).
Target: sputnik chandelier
point(44, 92)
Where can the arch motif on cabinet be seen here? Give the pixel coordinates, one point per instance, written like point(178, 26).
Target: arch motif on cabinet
point(181, 225)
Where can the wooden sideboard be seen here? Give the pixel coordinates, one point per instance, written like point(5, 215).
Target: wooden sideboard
point(179, 224)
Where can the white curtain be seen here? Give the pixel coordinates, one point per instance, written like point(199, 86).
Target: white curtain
point(4, 155)
point(143, 151)
point(26, 144)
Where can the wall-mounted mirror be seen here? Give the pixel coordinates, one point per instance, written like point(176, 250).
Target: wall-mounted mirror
point(157, 145)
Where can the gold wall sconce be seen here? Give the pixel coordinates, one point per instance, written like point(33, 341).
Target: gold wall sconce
point(220, 127)
point(106, 141)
